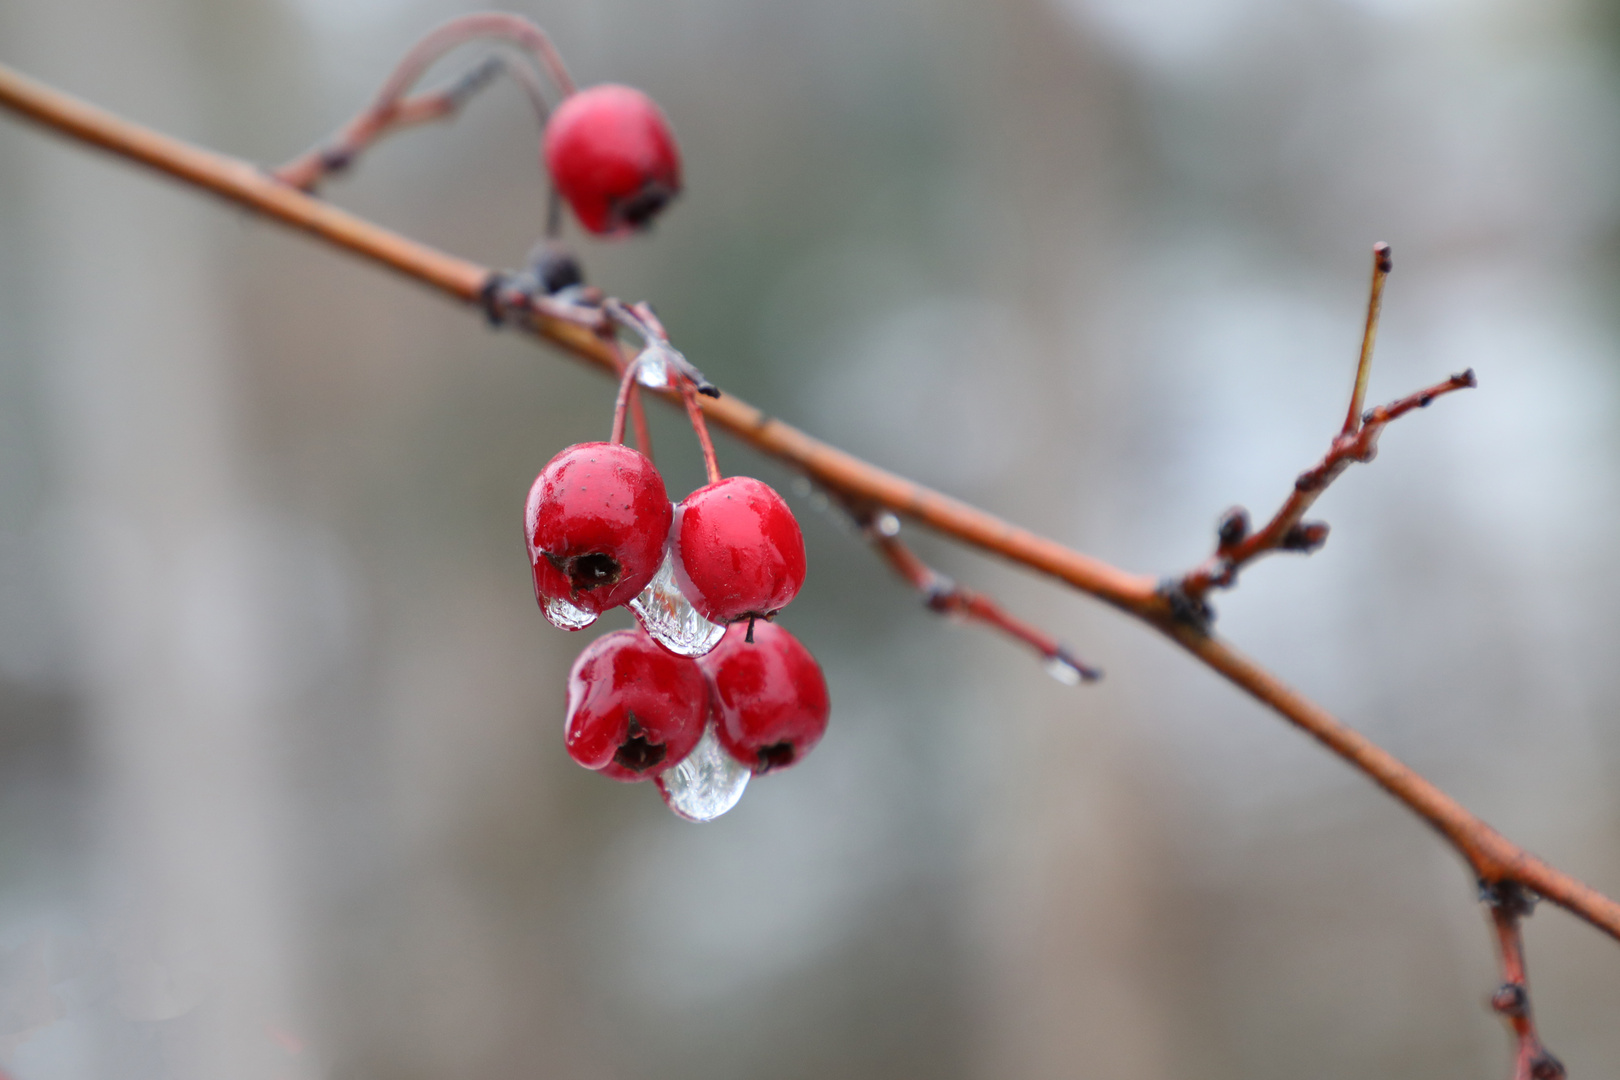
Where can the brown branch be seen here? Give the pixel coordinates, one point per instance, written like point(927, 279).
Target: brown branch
point(942, 595)
point(1493, 858)
point(1509, 904)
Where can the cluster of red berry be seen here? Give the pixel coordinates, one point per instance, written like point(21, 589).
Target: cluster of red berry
point(705, 693)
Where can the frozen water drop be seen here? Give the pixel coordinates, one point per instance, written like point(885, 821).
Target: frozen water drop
point(706, 783)
point(652, 368)
point(669, 617)
point(887, 524)
point(1063, 671)
point(565, 615)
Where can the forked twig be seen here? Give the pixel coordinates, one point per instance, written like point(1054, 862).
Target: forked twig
point(1236, 546)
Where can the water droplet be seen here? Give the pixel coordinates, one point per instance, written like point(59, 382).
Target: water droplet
point(565, 615)
point(887, 524)
point(1063, 671)
point(652, 368)
point(669, 617)
point(706, 783)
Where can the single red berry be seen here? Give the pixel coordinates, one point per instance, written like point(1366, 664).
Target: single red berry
point(611, 153)
point(770, 699)
point(596, 522)
point(634, 709)
point(739, 552)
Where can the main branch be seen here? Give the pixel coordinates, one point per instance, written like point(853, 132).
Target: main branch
point(1493, 858)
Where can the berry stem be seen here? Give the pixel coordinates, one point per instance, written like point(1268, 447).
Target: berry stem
point(694, 412)
point(627, 383)
point(391, 110)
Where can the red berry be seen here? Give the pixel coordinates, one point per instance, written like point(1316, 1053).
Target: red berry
point(634, 709)
point(613, 157)
point(739, 551)
point(596, 521)
point(770, 700)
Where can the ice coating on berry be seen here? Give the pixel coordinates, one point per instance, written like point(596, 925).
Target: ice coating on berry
point(770, 698)
point(596, 523)
point(669, 618)
point(739, 552)
point(633, 708)
point(611, 152)
point(707, 783)
point(565, 616)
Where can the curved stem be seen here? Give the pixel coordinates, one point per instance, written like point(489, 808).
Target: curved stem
point(390, 109)
point(1493, 857)
point(627, 382)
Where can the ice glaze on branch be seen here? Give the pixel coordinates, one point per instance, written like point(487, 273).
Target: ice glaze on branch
point(1492, 857)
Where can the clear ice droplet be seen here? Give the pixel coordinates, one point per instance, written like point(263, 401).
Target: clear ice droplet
point(652, 368)
point(706, 783)
point(887, 524)
point(566, 616)
point(669, 617)
point(1063, 671)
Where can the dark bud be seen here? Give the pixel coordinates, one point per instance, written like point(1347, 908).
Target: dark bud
point(1381, 253)
point(1465, 378)
point(708, 389)
point(1233, 527)
point(556, 269)
point(940, 595)
point(1511, 1000)
point(1546, 1067)
point(1306, 537)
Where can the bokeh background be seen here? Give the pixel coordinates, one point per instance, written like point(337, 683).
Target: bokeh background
point(282, 788)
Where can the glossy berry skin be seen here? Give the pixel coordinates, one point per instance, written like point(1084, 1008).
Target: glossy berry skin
point(739, 552)
point(613, 157)
point(634, 709)
point(596, 522)
point(770, 699)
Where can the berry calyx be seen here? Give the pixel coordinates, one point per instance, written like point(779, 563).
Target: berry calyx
point(770, 698)
point(634, 709)
point(738, 550)
point(596, 522)
point(613, 157)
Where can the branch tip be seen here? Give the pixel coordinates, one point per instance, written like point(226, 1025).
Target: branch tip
point(1381, 257)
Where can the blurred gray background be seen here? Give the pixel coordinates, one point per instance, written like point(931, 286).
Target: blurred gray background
point(282, 788)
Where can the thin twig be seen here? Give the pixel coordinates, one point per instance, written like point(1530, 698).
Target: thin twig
point(392, 111)
point(942, 595)
point(1382, 264)
point(1493, 858)
point(1287, 530)
point(1509, 904)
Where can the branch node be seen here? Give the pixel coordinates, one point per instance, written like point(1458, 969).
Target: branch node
point(1544, 1066)
point(1508, 897)
point(1190, 611)
point(489, 297)
point(1511, 1000)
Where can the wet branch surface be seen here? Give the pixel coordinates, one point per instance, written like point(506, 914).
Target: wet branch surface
point(1510, 877)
